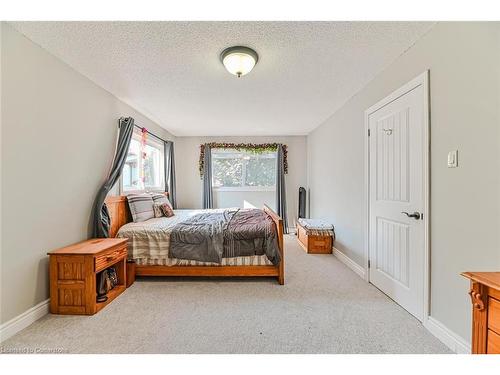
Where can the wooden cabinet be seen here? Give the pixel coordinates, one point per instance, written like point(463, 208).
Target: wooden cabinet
point(485, 297)
point(73, 274)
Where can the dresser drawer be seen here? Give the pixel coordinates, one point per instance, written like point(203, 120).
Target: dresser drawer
point(493, 346)
point(105, 260)
point(494, 315)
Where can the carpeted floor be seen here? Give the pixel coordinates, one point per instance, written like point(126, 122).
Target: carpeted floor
point(323, 308)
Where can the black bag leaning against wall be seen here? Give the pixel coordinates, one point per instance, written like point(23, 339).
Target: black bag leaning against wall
point(302, 203)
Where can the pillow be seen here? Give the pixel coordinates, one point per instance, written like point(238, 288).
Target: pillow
point(160, 198)
point(162, 209)
point(166, 210)
point(157, 209)
point(141, 207)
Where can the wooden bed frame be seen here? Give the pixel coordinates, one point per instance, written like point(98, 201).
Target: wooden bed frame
point(120, 215)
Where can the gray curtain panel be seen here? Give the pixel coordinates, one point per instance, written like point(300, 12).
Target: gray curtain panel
point(281, 188)
point(170, 173)
point(101, 219)
point(208, 198)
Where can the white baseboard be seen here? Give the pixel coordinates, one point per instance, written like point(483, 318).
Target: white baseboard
point(447, 337)
point(20, 322)
point(349, 263)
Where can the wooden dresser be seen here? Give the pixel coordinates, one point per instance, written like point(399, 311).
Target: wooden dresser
point(485, 297)
point(73, 274)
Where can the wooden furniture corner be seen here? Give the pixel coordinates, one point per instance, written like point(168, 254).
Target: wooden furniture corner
point(73, 274)
point(485, 297)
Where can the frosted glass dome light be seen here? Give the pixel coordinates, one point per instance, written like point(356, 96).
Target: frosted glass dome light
point(239, 60)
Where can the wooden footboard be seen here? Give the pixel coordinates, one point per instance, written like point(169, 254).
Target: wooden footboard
point(120, 215)
point(281, 244)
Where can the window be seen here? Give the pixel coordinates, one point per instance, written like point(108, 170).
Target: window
point(151, 166)
point(243, 170)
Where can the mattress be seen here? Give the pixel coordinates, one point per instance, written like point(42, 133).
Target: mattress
point(149, 243)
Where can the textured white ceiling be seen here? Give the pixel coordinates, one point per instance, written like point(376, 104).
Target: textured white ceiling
point(171, 72)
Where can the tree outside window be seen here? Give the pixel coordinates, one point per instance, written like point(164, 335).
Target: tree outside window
point(244, 170)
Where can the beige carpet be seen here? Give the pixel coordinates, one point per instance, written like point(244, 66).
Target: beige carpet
point(323, 308)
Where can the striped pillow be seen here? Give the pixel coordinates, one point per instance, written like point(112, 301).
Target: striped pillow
point(160, 198)
point(141, 207)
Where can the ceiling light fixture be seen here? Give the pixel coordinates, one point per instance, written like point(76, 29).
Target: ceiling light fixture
point(239, 60)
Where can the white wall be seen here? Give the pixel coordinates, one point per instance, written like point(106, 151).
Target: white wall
point(464, 63)
point(58, 137)
point(189, 185)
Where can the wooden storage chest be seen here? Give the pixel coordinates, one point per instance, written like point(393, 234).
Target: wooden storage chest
point(314, 244)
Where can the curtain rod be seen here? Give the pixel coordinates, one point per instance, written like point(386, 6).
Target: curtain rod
point(154, 135)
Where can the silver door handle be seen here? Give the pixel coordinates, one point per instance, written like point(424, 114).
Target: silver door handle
point(416, 215)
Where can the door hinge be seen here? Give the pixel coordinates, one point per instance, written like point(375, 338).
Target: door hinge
point(368, 132)
point(369, 264)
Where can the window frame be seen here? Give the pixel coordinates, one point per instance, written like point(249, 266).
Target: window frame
point(157, 144)
point(243, 187)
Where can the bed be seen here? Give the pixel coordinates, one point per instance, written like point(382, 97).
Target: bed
point(149, 246)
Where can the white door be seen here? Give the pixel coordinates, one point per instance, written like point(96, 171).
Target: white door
point(397, 166)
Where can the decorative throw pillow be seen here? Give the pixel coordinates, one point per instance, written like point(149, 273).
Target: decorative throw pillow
point(160, 198)
point(157, 210)
point(141, 207)
point(166, 210)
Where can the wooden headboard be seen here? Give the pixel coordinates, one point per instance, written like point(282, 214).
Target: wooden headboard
point(119, 212)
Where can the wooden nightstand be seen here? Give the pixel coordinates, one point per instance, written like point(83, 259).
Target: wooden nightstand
point(73, 271)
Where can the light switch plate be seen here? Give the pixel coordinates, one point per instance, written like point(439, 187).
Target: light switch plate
point(453, 159)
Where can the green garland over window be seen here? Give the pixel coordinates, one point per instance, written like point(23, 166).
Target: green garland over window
point(251, 147)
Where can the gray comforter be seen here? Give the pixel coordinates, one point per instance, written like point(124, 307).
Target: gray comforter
point(209, 237)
